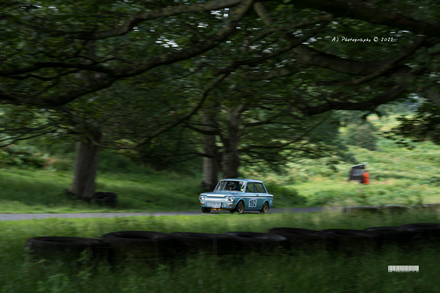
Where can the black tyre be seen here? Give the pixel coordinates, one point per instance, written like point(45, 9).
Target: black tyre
point(265, 208)
point(424, 232)
point(146, 245)
point(394, 237)
point(206, 210)
point(302, 239)
point(240, 207)
point(70, 249)
point(264, 243)
point(212, 244)
point(352, 241)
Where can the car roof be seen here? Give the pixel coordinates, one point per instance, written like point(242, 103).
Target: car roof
point(247, 180)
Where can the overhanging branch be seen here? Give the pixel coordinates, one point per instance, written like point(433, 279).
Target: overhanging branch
point(371, 104)
point(364, 10)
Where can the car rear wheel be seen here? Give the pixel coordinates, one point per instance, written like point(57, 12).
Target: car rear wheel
point(265, 208)
point(206, 210)
point(240, 207)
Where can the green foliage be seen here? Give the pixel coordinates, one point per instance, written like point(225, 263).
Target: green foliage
point(111, 162)
point(61, 164)
point(24, 157)
point(398, 176)
point(422, 126)
point(52, 145)
point(361, 135)
point(283, 196)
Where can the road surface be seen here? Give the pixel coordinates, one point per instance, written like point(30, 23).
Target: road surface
point(17, 217)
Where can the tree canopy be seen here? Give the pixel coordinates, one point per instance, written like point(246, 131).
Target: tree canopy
point(119, 73)
point(344, 54)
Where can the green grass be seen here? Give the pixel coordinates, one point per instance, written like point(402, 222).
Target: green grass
point(42, 191)
point(318, 272)
point(398, 176)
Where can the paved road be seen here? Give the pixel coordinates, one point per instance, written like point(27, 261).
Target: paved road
point(16, 217)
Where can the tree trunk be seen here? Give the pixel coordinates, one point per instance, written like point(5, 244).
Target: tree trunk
point(210, 164)
point(231, 156)
point(433, 95)
point(86, 163)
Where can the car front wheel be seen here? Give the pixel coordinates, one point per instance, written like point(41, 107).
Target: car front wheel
point(206, 210)
point(240, 207)
point(265, 208)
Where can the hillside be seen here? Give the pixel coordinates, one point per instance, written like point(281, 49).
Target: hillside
point(398, 176)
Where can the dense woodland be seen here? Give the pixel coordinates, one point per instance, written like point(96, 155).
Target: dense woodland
point(221, 83)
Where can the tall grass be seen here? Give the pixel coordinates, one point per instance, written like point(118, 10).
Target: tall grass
point(398, 176)
point(317, 272)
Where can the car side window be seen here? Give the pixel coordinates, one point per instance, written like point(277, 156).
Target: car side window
point(250, 187)
point(259, 188)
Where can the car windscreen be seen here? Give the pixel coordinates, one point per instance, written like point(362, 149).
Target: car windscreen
point(230, 185)
point(220, 186)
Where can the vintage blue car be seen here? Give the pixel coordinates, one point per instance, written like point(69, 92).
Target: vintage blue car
point(237, 195)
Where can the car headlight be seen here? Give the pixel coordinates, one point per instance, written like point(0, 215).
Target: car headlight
point(231, 198)
point(202, 198)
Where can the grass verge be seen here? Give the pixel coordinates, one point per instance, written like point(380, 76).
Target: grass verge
point(318, 272)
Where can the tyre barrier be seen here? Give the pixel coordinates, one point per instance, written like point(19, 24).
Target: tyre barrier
point(351, 241)
point(66, 249)
point(150, 245)
point(257, 242)
point(424, 233)
point(393, 236)
point(145, 245)
point(302, 239)
point(212, 244)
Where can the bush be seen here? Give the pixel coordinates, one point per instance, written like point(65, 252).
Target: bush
point(361, 135)
point(61, 164)
point(109, 161)
point(20, 156)
point(284, 194)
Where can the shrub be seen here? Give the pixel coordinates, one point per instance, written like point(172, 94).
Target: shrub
point(284, 194)
point(61, 164)
point(20, 156)
point(112, 162)
point(361, 135)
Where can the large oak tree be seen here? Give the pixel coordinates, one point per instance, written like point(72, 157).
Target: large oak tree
point(343, 54)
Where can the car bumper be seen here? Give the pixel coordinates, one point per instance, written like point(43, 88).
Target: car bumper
point(218, 205)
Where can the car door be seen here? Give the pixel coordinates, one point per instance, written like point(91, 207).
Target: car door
point(261, 194)
point(251, 201)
